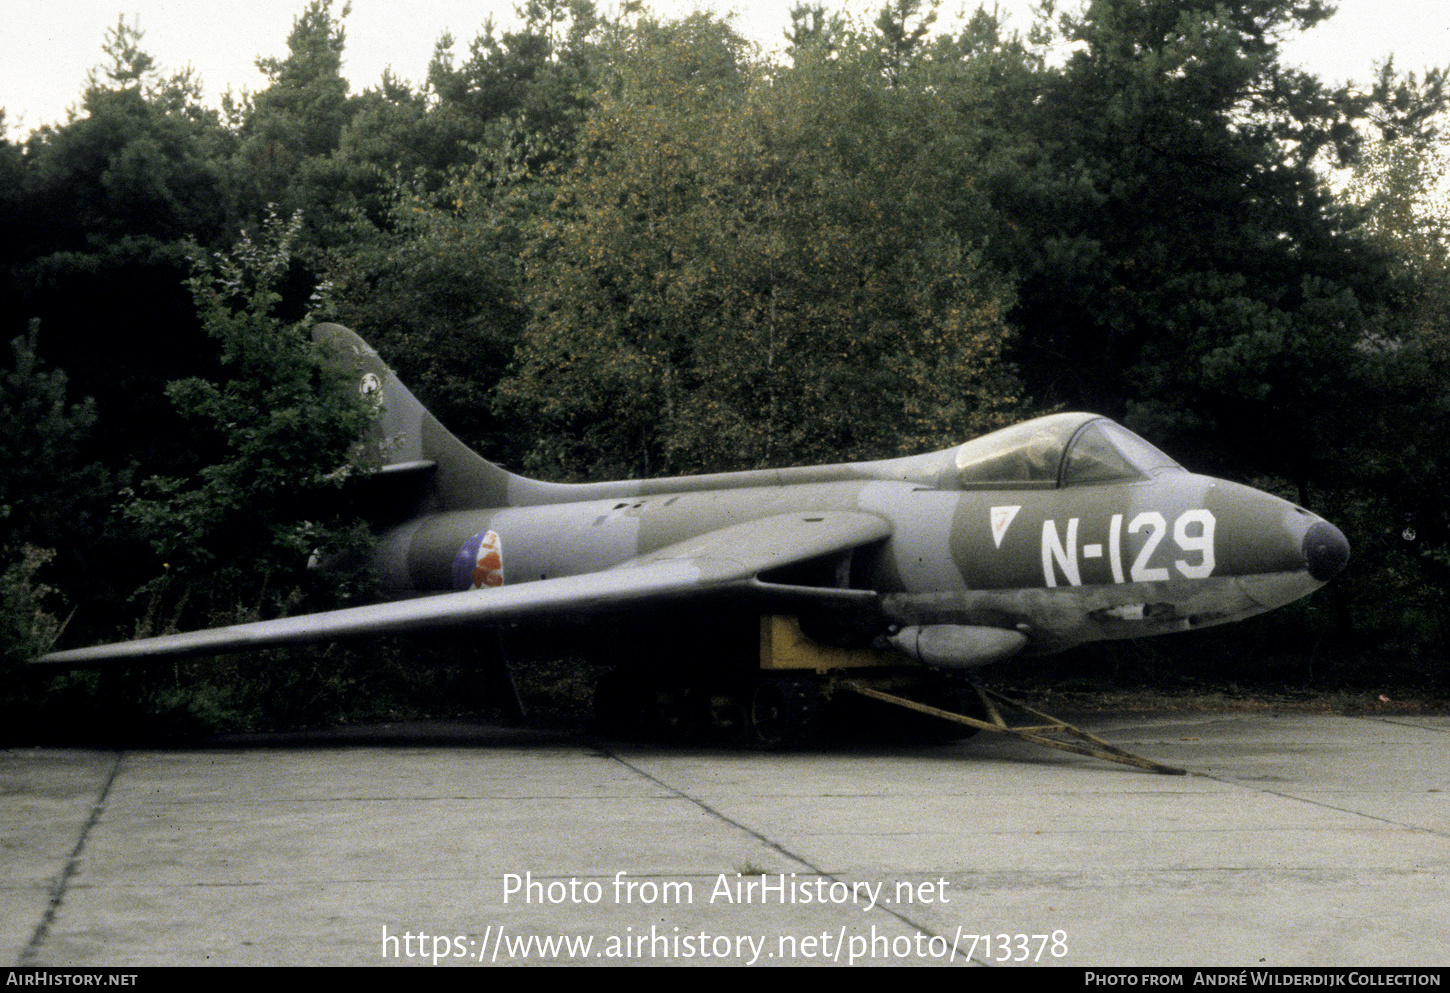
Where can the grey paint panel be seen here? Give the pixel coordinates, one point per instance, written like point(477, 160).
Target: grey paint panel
point(758, 546)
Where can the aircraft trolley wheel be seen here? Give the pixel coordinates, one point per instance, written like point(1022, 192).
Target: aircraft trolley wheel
point(787, 712)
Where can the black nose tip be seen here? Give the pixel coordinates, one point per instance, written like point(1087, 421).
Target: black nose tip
point(1326, 551)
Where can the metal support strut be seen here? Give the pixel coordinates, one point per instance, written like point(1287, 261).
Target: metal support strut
point(1034, 733)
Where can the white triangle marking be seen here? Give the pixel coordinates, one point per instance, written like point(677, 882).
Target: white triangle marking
point(1001, 521)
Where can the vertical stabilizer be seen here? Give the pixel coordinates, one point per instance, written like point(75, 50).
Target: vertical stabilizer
point(409, 438)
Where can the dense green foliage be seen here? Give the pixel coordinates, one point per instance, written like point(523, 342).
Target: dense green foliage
point(753, 272)
point(604, 245)
point(283, 429)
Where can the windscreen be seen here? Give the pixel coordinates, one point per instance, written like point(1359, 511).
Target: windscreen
point(1105, 452)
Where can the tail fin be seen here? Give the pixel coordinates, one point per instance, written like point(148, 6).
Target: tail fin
point(411, 439)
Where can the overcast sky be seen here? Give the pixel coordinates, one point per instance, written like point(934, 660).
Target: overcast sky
point(47, 46)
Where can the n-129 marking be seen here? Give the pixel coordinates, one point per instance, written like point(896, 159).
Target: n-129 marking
point(1065, 555)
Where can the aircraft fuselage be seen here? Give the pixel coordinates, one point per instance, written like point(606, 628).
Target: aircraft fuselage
point(1062, 565)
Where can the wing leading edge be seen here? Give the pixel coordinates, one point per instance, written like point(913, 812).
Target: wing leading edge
point(722, 560)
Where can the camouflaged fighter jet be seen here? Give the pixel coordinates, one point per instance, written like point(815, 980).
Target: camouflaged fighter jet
point(1060, 530)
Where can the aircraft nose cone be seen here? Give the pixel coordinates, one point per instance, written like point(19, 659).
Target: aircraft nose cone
point(1326, 551)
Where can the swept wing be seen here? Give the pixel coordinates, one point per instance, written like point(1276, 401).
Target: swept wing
point(726, 559)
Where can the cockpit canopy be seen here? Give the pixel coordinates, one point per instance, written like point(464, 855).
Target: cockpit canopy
point(1058, 450)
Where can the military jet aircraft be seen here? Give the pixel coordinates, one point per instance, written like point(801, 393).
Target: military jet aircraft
point(1057, 531)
